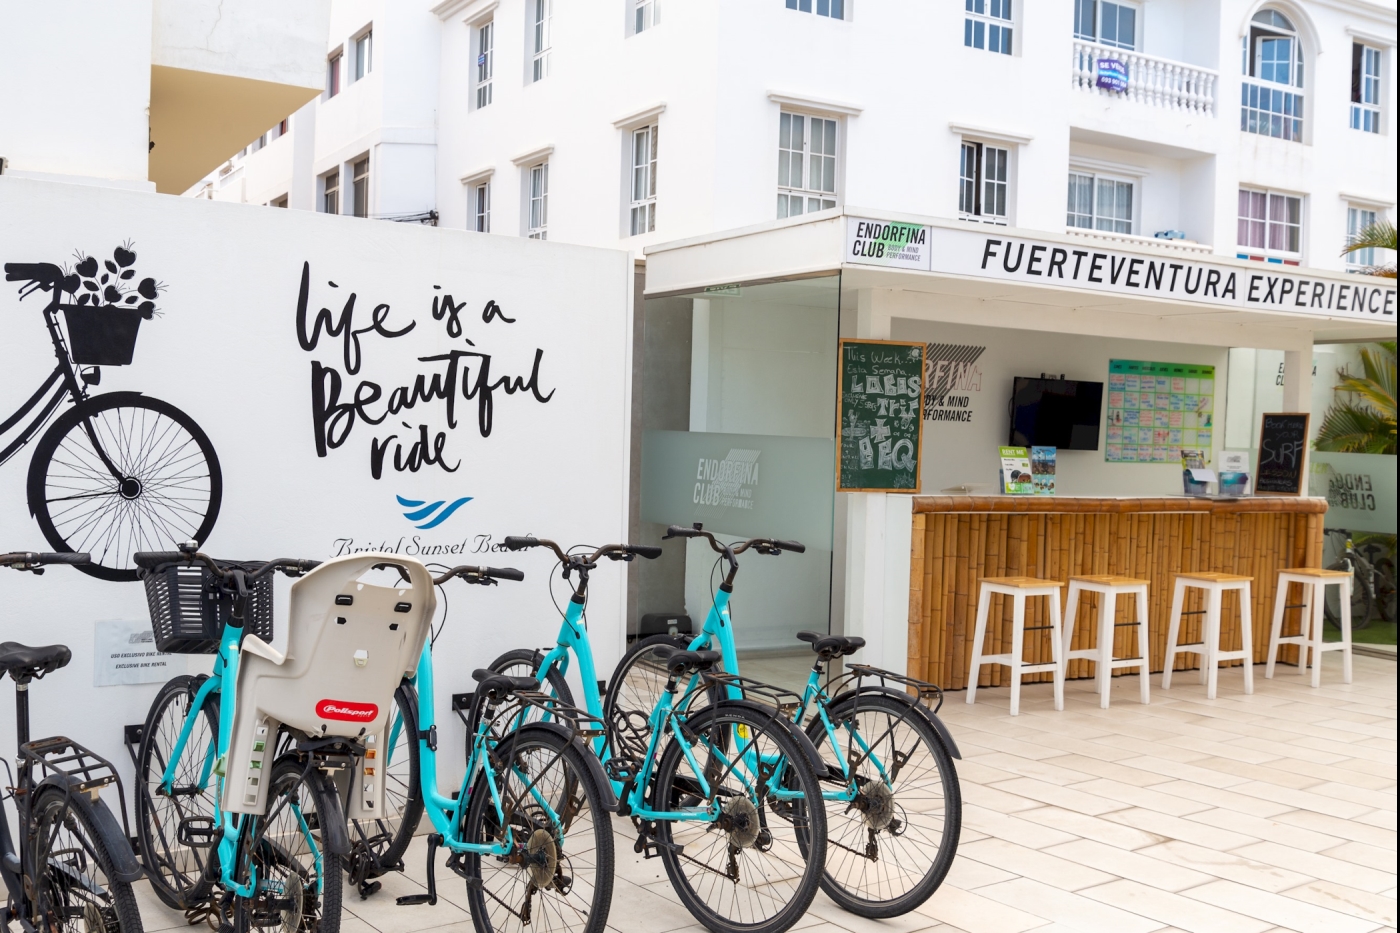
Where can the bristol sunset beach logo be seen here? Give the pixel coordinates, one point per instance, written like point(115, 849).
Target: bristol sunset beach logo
point(423, 514)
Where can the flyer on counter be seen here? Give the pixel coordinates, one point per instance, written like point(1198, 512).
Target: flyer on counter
point(1043, 470)
point(1016, 472)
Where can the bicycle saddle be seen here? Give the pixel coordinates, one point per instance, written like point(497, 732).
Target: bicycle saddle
point(499, 686)
point(830, 647)
point(24, 663)
point(682, 662)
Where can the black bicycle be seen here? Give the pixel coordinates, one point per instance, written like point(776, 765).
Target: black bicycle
point(1372, 585)
point(73, 866)
point(117, 472)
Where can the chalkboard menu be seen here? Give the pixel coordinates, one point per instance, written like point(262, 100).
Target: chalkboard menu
point(1283, 446)
point(880, 432)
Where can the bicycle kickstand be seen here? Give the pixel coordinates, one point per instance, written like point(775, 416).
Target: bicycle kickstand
point(434, 840)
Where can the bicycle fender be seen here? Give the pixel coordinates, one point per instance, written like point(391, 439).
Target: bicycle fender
point(813, 756)
point(905, 698)
point(334, 833)
point(595, 767)
point(124, 864)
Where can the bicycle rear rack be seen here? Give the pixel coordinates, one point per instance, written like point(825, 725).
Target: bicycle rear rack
point(87, 771)
point(784, 702)
point(932, 694)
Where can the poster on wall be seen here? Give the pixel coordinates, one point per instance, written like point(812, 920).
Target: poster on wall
point(1156, 409)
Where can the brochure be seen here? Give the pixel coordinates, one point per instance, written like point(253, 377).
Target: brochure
point(1043, 470)
point(1016, 472)
point(1234, 472)
point(1195, 477)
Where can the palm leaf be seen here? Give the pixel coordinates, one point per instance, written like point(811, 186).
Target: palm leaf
point(1363, 418)
point(1379, 235)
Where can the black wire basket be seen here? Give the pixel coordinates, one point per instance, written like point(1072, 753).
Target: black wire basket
point(101, 335)
point(189, 608)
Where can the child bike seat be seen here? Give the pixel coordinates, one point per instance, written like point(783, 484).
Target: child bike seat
point(24, 663)
point(349, 645)
point(830, 647)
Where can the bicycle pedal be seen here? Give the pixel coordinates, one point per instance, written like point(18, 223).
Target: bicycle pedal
point(411, 900)
point(369, 887)
point(196, 832)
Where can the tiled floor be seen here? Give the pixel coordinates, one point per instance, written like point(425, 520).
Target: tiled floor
point(1250, 814)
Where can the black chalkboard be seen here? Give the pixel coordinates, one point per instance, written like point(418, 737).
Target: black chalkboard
point(879, 436)
point(1283, 446)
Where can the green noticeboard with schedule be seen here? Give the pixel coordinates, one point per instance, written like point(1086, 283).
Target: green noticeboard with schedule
point(879, 436)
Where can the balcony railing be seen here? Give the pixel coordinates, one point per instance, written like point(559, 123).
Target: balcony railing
point(1151, 81)
point(1129, 239)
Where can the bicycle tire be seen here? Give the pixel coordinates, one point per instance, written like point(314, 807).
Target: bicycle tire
point(849, 830)
point(403, 796)
point(522, 662)
point(1362, 600)
point(800, 852)
point(131, 419)
point(280, 864)
point(179, 876)
point(1385, 589)
point(492, 912)
point(639, 680)
point(108, 904)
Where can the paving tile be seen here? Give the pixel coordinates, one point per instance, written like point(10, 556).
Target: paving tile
point(978, 914)
point(1175, 827)
point(1134, 866)
point(1148, 748)
point(1275, 908)
point(978, 771)
point(1362, 854)
point(1145, 797)
point(1017, 828)
point(1301, 799)
point(1183, 771)
point(1348, 900)
point(1049, 770)
point(1089, 827)
point(1324, 867)
point(1228, 865)
point(1377, 799)
point(1297, 749)
point(1220, 749)
point(1110, 770)
point(1011, 746)
point(1379, 729)
point(970, 874)
point(1261, 773)
point(1350, 772)
point(994, 799)
point(1263, 828)
point(1074, 910)
point(1220, 797)
point(1030, 863)
point(836, 919)
point(1385, 819)
point(1181, 912)
point(1057, 796)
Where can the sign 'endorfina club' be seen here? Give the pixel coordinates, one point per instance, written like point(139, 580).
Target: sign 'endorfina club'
point(1173, 277)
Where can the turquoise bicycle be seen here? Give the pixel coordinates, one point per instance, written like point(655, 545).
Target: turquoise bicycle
point(893, 806)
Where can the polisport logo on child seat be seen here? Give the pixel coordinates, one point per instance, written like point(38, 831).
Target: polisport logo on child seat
point(346, 710)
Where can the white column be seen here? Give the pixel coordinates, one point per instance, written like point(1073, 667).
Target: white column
point(302, 195)
point(1297, 393)
point(878, 539)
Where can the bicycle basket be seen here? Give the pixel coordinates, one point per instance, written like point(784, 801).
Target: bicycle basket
point(101, 336)
point(189, 610)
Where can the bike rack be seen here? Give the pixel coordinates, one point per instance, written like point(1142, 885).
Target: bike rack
point(88, 771)
point(857, 673)
point(785, 702)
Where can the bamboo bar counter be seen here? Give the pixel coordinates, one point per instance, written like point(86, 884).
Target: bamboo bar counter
point(957, 540)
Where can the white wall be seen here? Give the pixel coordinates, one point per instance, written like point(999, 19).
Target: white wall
point(966, 452)
point(224, 349)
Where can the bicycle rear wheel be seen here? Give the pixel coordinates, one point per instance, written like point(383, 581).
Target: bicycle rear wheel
point(176, 869)
point(299, 880)
point(755, 868)
point(379, 844)
point(168, 492)
point(640, 678)
point(890, 848)
point(559, 875)
point(1362, 599)
point(75, 890)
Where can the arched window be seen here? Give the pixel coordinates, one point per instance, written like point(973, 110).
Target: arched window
point(1271, 56)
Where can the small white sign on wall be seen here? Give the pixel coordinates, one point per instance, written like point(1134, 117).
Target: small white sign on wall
point(126, 654)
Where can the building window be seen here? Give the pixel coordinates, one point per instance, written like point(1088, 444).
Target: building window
point(644, 180)
point(1100, 203)
point(364, 46)
point(648, 14)
point(988, 25)
point(836, 9)
point(539, 202)
point(1272, 55)
point(330, 193)
point(1107, 23)
point(333, 75)
point(806, 164)
point(1365, 88)
point(283, 126)
point(278, 202)
point(541, 14)
point(1358, 219)
point(481, 207)
point(359, 188)
point(485, 62)
point(982, 185)
point(1270, 226)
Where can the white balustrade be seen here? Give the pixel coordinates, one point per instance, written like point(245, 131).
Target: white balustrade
point(1152, 81)
point(1130, 239)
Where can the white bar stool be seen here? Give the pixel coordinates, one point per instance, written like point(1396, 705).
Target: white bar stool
point(1314, 583)
point(1109, 588)
point(1214, 585)
point(1019, 589)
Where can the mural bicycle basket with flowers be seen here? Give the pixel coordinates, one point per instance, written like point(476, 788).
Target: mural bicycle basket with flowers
point(115, 472)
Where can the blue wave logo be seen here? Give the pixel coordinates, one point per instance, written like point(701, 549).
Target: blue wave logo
point(431, 514)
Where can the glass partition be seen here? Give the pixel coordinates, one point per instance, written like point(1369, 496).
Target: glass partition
point(736, 412)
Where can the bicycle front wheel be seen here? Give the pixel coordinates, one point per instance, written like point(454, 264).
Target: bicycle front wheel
point(165, 818)
point(299, 882)
point(74, 887)
point(894, 810)
point(753, 865)
point(558, 875)
point(166, 488)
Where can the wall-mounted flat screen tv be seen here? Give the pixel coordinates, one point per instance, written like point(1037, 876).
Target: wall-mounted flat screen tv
point(1061, 413)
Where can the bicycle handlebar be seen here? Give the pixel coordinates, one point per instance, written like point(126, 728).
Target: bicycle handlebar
point(483, 575)
point(34, 561)
point(150, 560)
point(762, 545)
point(44, 274)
